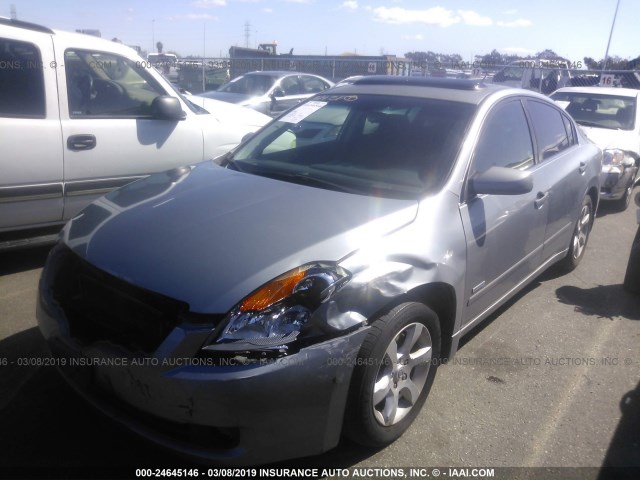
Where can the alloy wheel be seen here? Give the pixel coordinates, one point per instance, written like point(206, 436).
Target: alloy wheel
point(402, 374)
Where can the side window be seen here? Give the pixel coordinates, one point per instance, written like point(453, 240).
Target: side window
point(313, 84)
point(106, 85)
point(290, 85)
point(505, 140)
point(21, 80)
point(548, 124)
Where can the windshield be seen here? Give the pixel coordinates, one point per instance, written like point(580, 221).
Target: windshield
point(249, 85)
point(598, 110)
point(398, 147)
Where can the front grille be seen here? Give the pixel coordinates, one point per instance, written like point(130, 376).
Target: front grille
point(101, 307)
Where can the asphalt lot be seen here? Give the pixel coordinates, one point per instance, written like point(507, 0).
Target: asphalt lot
point(551, 380)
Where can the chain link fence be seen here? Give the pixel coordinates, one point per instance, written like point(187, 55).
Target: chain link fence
point(197, 75)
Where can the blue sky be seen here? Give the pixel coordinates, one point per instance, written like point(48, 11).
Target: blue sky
point(573, 29)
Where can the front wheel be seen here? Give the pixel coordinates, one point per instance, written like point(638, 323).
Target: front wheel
point(580, 236)
point(622, 203)
point(393, 374)
point(632, 275)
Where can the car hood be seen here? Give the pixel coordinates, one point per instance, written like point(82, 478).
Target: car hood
point(209, 236)
point(238, 98)
point(229, 113)
point(609, 138)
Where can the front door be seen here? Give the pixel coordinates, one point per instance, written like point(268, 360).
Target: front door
point(504, 233)
point(110, 136)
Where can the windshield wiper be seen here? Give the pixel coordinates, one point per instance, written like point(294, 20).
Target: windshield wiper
point(304, 179)
point(229, 162)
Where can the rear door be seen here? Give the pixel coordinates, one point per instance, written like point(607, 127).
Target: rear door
point(110, 137)
point(562, 170)
point(30, 139)
point(504, 233)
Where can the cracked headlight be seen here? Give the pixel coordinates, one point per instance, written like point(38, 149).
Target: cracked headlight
point(274, 316)
point(613, 157)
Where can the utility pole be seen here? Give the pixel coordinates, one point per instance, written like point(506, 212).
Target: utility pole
point(606, 54)
point(14, 15)
point(247, 33)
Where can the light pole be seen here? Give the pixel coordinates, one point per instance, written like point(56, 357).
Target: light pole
point(606, 54)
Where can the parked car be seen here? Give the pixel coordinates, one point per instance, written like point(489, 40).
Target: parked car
point(632, 275)
point(310, 285)
point(543, 76)
point(270, 92)
point(80, 116)
point(610, 117)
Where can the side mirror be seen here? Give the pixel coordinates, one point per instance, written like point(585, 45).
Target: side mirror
point(501, 181)
point(166, 107)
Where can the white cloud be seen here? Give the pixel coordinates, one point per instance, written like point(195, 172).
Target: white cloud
point(267, 10)
point(521, 22)
point(469, 17)
point(296, 1)
point(512, 11)
point(431, 16)
point(209, 3)
point(349, 5)
point(418, 36)
point(439, 16)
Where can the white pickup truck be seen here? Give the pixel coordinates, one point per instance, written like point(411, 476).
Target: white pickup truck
point(80, 116)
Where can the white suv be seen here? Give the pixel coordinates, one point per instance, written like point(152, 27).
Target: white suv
point(80, 116)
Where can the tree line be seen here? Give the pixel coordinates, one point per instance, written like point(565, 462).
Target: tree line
point(497, 58)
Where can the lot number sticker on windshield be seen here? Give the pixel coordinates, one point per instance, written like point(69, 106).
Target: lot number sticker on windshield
point(302, 112)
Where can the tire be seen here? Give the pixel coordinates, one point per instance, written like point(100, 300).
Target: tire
point(632, 275)
point(393, 374)
point(580, 236)
point(622, 203)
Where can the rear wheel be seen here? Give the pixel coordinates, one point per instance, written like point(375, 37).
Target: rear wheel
point(394, 372)
point(580, 236)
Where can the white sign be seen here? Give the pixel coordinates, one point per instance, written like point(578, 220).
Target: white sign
point(607, 80)
point(302, 112)
point(372, 67)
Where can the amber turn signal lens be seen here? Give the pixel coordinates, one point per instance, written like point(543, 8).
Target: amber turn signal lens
point(273, 292)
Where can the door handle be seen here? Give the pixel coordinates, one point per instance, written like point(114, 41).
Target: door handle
point(583, 167)
point(81, 142)
point(541, 199)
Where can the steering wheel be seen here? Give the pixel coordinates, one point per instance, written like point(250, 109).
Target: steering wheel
point(107, 87)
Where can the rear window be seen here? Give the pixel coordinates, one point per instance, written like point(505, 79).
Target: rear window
point(598, 110)
point(369, 144)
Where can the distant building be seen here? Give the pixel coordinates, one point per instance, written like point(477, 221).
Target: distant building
point(89, 31)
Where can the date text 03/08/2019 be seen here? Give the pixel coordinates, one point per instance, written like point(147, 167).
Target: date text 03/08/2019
point(328, 473)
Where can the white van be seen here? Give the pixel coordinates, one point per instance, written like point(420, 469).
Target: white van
point(80, 116)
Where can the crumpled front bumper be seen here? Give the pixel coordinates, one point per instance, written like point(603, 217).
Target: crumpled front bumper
point(235, 414)
point(614, 181)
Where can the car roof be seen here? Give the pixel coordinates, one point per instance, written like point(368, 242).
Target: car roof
point(614, 91)
point(279, 73)
point(459, 90)
point(83, 41)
